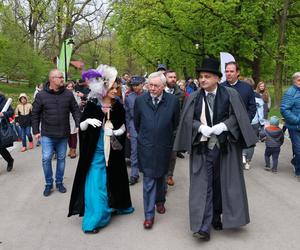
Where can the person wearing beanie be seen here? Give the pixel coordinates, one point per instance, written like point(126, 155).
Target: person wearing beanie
point(23, 119)
point(273, 137)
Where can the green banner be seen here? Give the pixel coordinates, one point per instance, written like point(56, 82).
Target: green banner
point(65, 56)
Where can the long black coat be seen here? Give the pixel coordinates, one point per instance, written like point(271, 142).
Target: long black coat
point(155, 128)
point(117, 177)
point(7, 114)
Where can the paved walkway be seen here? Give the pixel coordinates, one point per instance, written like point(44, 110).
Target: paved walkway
point(31, 221)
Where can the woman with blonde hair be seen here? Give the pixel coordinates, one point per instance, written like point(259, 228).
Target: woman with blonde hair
point(261, 89)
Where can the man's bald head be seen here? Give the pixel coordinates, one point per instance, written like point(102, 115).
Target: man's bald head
point(56, 79)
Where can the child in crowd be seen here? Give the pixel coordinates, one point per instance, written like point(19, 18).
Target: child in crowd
point(273, 137)
point(23, 119)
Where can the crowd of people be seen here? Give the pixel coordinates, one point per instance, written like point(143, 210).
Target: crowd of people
point(147, 123)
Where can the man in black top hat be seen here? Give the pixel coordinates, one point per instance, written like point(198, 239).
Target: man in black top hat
point(213, 128)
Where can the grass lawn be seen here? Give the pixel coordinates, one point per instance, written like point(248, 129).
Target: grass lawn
point(13, 91)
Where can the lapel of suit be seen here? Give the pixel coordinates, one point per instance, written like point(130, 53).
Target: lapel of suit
point(149, 101)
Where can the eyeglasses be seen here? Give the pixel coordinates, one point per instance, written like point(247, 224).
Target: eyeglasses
point(60, 77)
point(155, 86)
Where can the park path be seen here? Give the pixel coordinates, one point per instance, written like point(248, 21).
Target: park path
point(31, 221)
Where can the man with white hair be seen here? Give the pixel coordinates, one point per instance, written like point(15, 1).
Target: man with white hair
point(156, 115)
point(290, 110)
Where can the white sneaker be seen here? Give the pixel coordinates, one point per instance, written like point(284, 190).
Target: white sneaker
point(247, 166)
point(244, 159)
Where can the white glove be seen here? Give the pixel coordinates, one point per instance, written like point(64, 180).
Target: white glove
point(119, 131)
point(205, 130)
point(90, 121)
point(219, 128)
point(108, 132)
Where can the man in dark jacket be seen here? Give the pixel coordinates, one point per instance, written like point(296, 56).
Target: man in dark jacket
point(136, 85)
point(51, 108)
point(173, 88)
point(156, 115)
point(232, 72)
point(5, 115)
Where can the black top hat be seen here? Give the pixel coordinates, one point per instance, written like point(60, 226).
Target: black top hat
point(210, 65)
point(136, 80)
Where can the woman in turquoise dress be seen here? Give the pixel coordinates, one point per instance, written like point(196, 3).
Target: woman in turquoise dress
point(100, 190)
point(97, 212)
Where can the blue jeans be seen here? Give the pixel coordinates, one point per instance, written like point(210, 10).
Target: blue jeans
point(274, 152)
point(49, 145)
point(26, 131)
point(295, 138)
point(19, 131)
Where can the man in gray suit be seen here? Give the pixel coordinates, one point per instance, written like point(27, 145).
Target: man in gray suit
point(214, 127)
point(156, 116)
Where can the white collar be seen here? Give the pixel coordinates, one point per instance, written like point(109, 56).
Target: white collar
point(159, 97)
point(234, 82)
point(212, 92)
point(169, 90)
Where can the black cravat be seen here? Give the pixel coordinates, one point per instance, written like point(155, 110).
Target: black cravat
point(210, 100)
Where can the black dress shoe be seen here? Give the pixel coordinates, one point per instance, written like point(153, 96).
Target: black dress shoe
point(202, 235)
point(217, 226)
point(10, 165)
point(180, 155)
point(133, 180)
point(95, 231)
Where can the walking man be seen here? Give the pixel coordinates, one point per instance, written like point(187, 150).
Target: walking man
point(232, 72)
point(173, 88)
point(213, 127)
point(290, 110)
point(136, 85)
point(156, 115)
point(52, 107)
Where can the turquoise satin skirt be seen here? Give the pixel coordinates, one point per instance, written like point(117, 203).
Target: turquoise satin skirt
point(97, 213)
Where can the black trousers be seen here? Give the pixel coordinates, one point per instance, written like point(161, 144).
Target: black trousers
point(5, 154)
point(217, 196)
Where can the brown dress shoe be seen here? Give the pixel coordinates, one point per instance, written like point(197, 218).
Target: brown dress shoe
point(170, 181)
point(160, 208)
point(148, 223)
point(72, 153)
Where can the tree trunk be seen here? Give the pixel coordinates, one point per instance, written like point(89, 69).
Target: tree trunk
point(280, 54)
point(256, 69)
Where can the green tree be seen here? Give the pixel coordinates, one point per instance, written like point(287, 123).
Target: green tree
point(260, 34)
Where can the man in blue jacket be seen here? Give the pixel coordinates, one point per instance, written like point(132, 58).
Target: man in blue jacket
point(290, 110)
point(156, 115)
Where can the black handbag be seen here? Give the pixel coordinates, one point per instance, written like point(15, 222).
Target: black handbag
point(115, 144)
point(7, 133)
